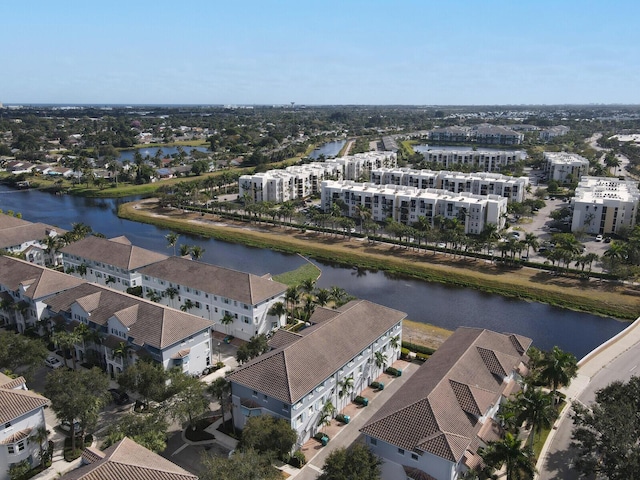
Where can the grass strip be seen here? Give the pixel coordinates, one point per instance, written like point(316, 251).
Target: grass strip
point(602, 298)
point(308, 271)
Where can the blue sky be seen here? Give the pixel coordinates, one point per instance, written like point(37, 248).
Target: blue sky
point(435, 52)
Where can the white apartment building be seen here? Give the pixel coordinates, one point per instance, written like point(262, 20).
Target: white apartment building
point(406, 204)
point(213, 292)
point(483, 183)
point(20, 236)
point(552, 132)
point(565, 167)
point(482, 160)
point(602, 205)
point(301, 181)
point(485, 133)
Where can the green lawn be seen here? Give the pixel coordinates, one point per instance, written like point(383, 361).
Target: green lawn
point(297, 276)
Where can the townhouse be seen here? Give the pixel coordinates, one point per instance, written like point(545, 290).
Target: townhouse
point(434, 425)
point(126, 459)
point(237, 303)
point(21, 422)
point(480, 160)
point(406, 204)
point(483, 183)
point(113, 262)
point(603, 205)
point(331, 361)
point(31, 239)
point(125, 328)
point(301, 181)
point(24, 287)
point(565, 167)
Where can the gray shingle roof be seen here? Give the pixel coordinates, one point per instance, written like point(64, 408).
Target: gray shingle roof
point(128, 460)
point(117, 252)
point(41, 281)
point(244, 287)
point(293, 370)
point(437, 409)
point(149, 323)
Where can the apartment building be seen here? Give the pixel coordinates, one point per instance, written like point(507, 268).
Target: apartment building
point(450, 404)
point(483, 183)
point(308, 369)
point(112, 262)
point(21, 416)
point(602, 205)
point(479, 160)
point(301, 181)
point(214, 293)
point(24, 288)
point(485, 134)
point(565, 167)
point(406, 204)
point(129, 328)
point(552, 132)
point(20, 236)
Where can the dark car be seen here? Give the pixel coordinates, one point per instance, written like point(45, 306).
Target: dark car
point(119, 397)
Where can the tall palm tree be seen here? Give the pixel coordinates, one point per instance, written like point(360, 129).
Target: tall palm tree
point(537, 410)
point(172, 240)
point(346, 386)
point(40, 436)
point(326, 414)
point(67, 341)
point(172, 293)
point(197, 252)
point(187, 305)
point(226, 320)
point(220, 388)
point(558, 368)
point(519, 462)
point(277, 310)
point(322, 297)
point(380, 359)
point(292, 297)
point(185, 250)
point(531, 241)
point(307, 285)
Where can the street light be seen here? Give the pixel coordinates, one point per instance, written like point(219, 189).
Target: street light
point(219, 360)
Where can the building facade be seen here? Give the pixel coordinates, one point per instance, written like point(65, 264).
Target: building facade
point(485, 134)
point(406, 204)
point(602, 205)
point(331, 361)
point(564, 167)
point(450, 403)
point(479, 160)
point(214, 293)
point(34, 240)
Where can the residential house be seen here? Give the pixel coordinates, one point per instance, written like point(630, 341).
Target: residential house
point(332, 360)
point(439, 419)
point(24, 287)
point(126, 459)
point(113, 262)
point(128, 323)
point(21, 418)
point(30, 239)
point(214, 292)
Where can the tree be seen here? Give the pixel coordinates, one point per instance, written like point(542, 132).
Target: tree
point(40, 436)
point(220, 388)
point(607, 435)
point(197, 252)
point(18, 350)
point(519, 462)
point(380, 359)
point(146, 378)
point(242, 465)
point(226, 320)
point(277, 310)
point(326, 414)
point(77, 396)
point(537, 410)
point(171, 292)
point(187, 305)
point(355, 463)
point(185, 250)
point(19, 470)
point(67, 341)
point(172, 240)
point(148, 430)
point(558, 368)
point(268, 435)
point(189, 401)
point(346, 386)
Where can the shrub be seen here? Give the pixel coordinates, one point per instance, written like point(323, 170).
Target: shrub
point(297, 459)
point(360, 400)
point(422, 356)
point(393, 371)
point(404, 352)
point(418, 348)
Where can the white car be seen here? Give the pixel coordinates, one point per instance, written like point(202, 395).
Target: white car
point(53, 362)
point(598, 238)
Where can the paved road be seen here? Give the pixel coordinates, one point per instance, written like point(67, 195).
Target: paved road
point(621, 361)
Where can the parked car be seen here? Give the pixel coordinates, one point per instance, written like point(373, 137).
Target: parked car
point(599, 238)
point(65, 426)
point(607, 239)
point(53, 362)
point(119, 397)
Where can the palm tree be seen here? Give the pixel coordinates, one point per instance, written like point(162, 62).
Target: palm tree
point(187, 305)
point(67, 341)
point(326, 414)
point(292, 297)
point(307, 285)
point(196, 252)
point(40, 436)
point(172, 240)
point(322, 297)
point(171, 292)
point(537, 410)
point(531, 241)
point(519, 463)
point(277, 310)
point(220, 388)
point(395, 341)
point(185, 250)
point(558, 368)
point(380, 359)
point(346, 386)
point(226, 320)
point(122, 352)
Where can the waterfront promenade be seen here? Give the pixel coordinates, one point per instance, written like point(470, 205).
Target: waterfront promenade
point(616, 359)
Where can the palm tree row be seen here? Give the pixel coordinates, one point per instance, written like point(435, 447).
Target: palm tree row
point(301, 300)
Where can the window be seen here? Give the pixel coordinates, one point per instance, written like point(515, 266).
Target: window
point(401, 451)
point(414, 456)
point(285, 407)
point(374, 441)
point(255, 394)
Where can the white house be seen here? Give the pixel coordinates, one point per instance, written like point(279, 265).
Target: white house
point(30, 239)
point(24, 287)
point(565, 167)
point(113, 262)
point(130, 327)
point(602, 205)
point(307, 370)
point(213, 292)
point(21, 416)
point(437, 421)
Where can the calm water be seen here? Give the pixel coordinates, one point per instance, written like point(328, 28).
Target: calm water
point(330, 149)
point(448, 307)
point(151, 151)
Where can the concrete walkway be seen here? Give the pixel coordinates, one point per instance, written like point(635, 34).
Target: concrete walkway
point(589, 366)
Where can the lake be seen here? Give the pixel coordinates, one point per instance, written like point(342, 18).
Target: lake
point(151, 151)
point(329, 149)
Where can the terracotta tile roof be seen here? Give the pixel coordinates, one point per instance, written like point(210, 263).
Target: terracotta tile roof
point(282, 338)
point(293, 370)
point(116, 252)
point(149, 323)
point(16, 403)
point(417, 474)
point(181, 353)
point(437, 409)
point(40, 281)
point(11, 383)
point(91, 455)
point(15, 231)
point(16, 437)
point(244, 287)
point(128, 460)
